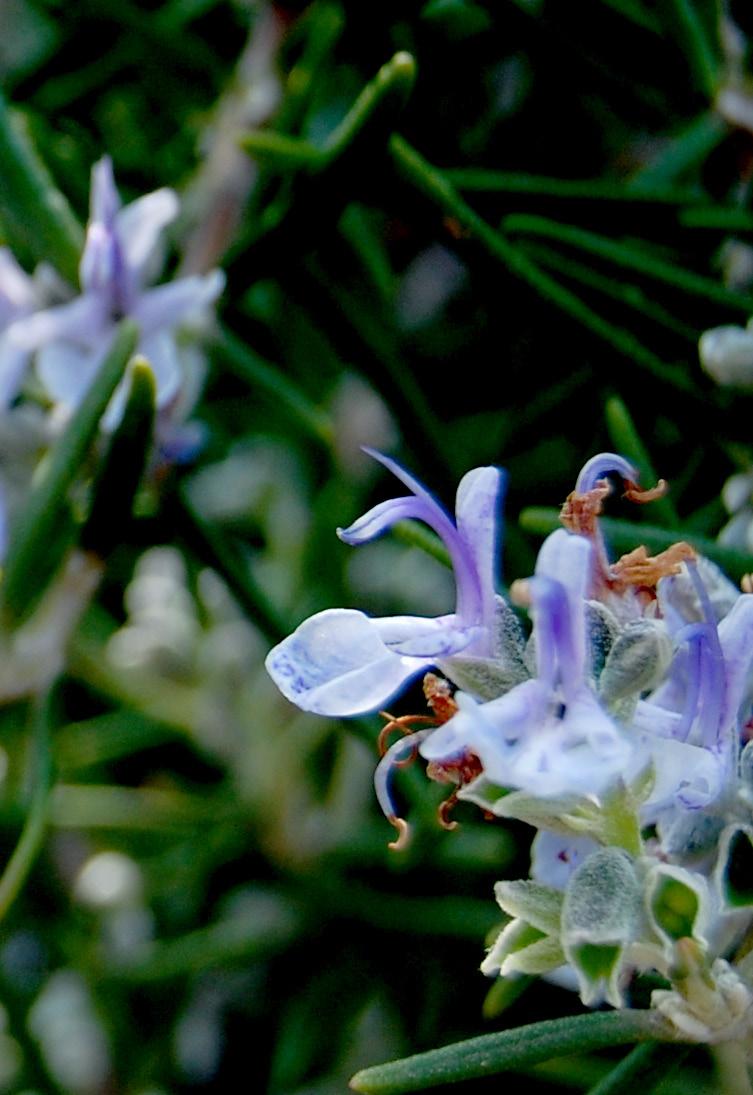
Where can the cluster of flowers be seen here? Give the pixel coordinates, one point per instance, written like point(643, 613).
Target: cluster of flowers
point(617, 729)
point(65, 336)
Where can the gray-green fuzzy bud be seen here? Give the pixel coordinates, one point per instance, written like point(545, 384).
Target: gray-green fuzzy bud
point(600, 918)
point(637, 661)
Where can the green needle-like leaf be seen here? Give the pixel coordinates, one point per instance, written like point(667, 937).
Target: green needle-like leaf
point(379, 101)
point(629, 257)
point(35, 214)
point(30, 559)
point(25, 853)
point(642, 1069)
point(265, 377)
point(508, 1049)
point(434, 185)
point(682, 20)
point(122, 467)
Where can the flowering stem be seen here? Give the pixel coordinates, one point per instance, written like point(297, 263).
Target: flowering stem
point(32, 835)
point(732, 1069)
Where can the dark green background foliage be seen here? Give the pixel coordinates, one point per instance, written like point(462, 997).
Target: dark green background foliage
point(518, 253)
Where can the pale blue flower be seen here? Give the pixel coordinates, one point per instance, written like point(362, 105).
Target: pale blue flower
point(551, 736)
point(70, 341)
point(343, 662)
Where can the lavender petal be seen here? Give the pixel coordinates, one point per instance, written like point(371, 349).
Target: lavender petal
point(477, 513)
point(335, 663)
point(139, 226)
point(177, 301)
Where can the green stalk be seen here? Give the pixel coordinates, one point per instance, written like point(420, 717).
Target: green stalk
point(32, 835)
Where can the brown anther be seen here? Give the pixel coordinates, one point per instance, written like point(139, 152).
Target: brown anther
point(746, 583)
point(581, 510)
point(634, 493)
point(638, 568)
point(403, 833)
point(403, 724)
point(439, 697)
point(443, 812)
point(520, 593)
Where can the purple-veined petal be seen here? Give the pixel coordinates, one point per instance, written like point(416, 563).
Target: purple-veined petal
point(601, 465)
point(139, 226)
point(477, 513)
point(712, 678)
point(559, 589)
point(335, 663)
point(684, 772)
point(422, 637)
point(176, 302)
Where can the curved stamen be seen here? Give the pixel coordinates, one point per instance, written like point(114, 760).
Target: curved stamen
point(470, 600)
point(634, 493)
point(397, 752)
point(403, 834)
point(601, 465)
point(444, 809)
point(400, 723)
